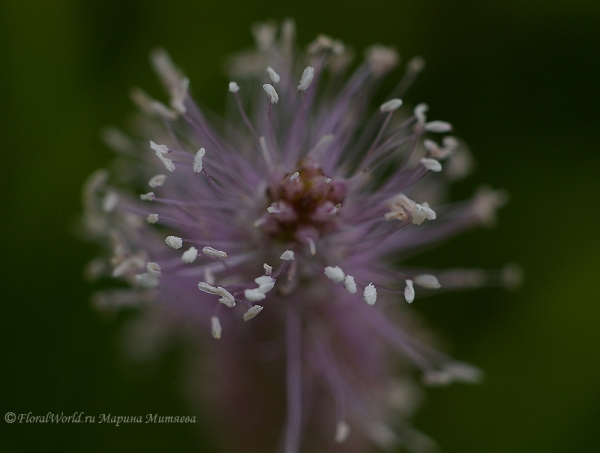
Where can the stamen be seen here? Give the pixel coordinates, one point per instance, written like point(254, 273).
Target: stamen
point(110, 202)
point(273, 75)
point(147, 280)
point(127, 265)
point(214, 253)
point(190, 255)
point(391, 105)
point(148, 196)
point(226, 299)
point(254, 295)
point(311, 246)
point(270, 90)
point(420, 113)
point(306, 79)
point(168, 163)
point(265, 283)
point(287, 255)
point(350, 284)
point(431, 164)
point(152, 218)
point(335, 273)
point(154, 269)
point(268, 269)
point(198, 160)
point(151, 106)
point(421, 213)
point(427, 281)
point(342, 431)
point(157, 181)
point(215, 325)
point(409, 291)
point(438, 126)
point(370, 294)
point(174, 242)
point(163, 149)
point(381, 59)
point(233, 87)
point(252, 312)
point(209, 277)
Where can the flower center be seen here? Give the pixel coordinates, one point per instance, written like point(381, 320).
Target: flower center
point(304, 204)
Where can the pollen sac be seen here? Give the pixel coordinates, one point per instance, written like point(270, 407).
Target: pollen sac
point(304, 201)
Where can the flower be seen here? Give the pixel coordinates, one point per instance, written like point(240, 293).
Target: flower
point(279, 237)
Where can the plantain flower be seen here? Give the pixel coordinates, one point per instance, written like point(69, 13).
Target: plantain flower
point(273, 244)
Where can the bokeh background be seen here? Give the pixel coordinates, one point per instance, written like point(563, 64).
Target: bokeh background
point(517, 78)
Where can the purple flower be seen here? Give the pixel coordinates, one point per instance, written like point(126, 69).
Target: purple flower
point(281, 236)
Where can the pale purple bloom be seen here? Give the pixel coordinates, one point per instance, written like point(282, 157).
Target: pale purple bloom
point(279, 234)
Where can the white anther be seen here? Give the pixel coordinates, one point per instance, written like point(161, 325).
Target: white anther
point(152, 218)
point(370, 294)
point(335, 273)
point(431, 164)
point(263, 279)
point(436, 378)
point(254, 295)
point(422, 213)
point(268, 269)
point(215, 327)
point(153, 269)
point(174, 242)
point(450, 142)
point(163, 149)
point(190, 255)
point(148, 196)
point(350, 284)
point(322, 42)
point(110, 201)
point(168, 163)
point(312, 246)
point(485, 203)
point(409, 291)
point(391, 105)
point(438, 126)
point(416, 64)
point(252, 312)
point(270, 90)
point(273, 75)
point(306, 79)
point(147, 280)
point(287, 255)
point(205, 287)
point(128, 265)
point(342, 431)
point(233, 87)
point(198, 160)
point(294, 176)
point(265, 283)
point(152, 106)
point(264, 35)
point(427, 281)
point(157, 181)
point(209, 277)
point(179, 94)
point(214, 253)
point(420, 113)
point(381, 59)
point(226, 297)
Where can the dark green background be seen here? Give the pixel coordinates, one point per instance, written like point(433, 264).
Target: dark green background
point(518, 79)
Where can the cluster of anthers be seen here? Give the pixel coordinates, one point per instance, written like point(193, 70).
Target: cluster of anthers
point(294, 213)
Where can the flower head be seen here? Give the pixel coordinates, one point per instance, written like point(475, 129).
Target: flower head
point(276, 238)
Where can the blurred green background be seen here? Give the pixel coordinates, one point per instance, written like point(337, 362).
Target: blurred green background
point(519, 81)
